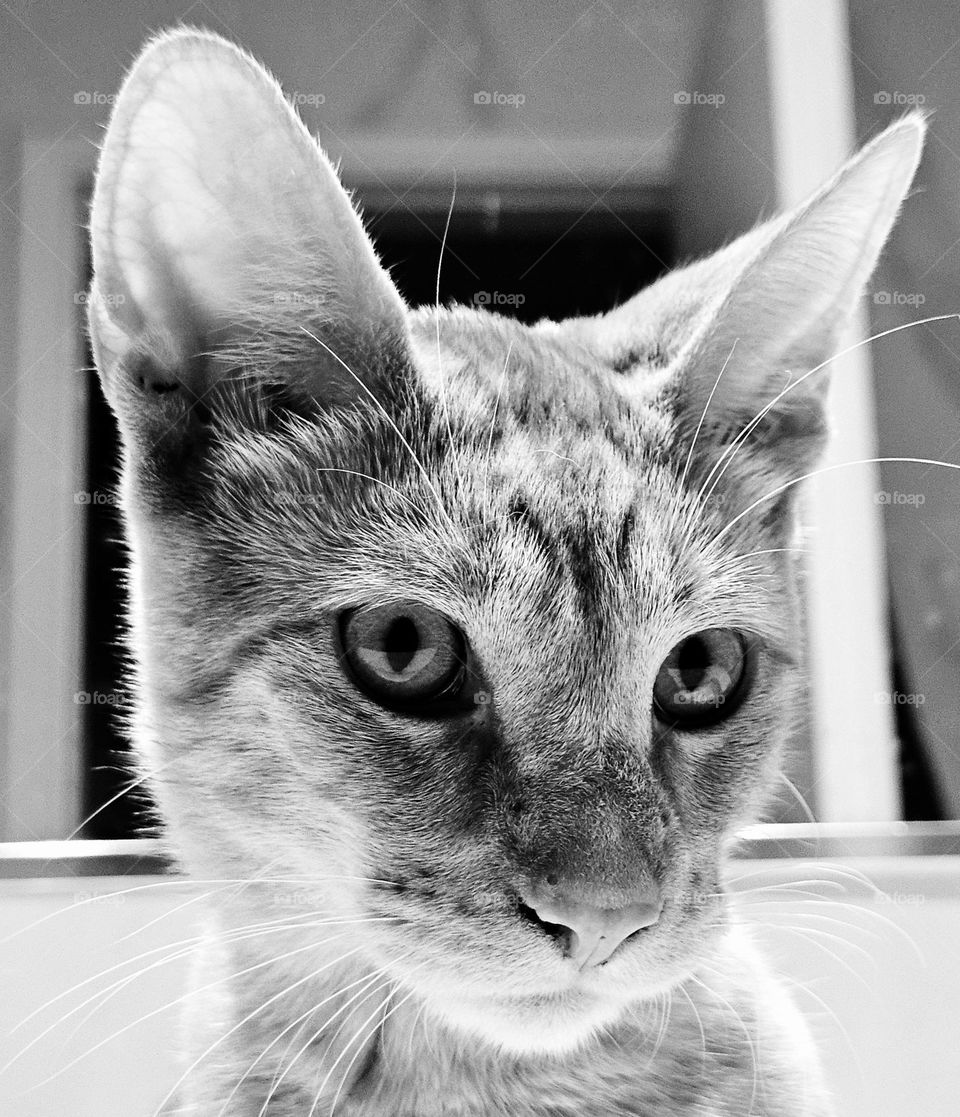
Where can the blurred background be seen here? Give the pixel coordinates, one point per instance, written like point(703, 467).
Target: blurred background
point(592, 145)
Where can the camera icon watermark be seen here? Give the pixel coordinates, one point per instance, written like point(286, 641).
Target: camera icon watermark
point(95, 497)
point(899, 298)
point(498, 298)
point(99, 698)
point(514, 100)
point(903, 500)
point(695, 97)
point(93, 97)
point(897, 97)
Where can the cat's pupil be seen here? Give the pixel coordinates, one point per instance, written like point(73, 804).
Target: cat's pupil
point(401, 642)
point(693, 660)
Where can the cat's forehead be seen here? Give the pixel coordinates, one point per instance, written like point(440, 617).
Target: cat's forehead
point(563, 438)
point(547, 380)
point(572, 460)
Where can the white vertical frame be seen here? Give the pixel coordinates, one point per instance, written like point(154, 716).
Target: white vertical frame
point(812, 107)
point(45, 397)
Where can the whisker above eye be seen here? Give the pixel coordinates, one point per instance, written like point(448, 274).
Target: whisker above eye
point(727, 456)
point(413, 456)
point(822, 471)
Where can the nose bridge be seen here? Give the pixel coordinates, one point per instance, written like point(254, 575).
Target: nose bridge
point(594, 830)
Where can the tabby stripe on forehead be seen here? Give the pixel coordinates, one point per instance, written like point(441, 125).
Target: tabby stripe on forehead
point(584, 570)
point(624, 539)
point(521, 513)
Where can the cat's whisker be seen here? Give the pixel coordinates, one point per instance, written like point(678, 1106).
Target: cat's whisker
point(819, 473)
point(743, 1025)
point(252, 1015)
point(199, 898)
point(560, 457)
point(789, 921)
point(381, 980)
point(804, 989)
point(738, 561)
point(436, 318)
point(835, 876)
point(365, 982)
point(99, 999)
point(361, 1032)
point(769, 909)
point(386, 414)
point(179, 882)
point(883, 921)
point(360, 1047)
point(664, 1024)
point(367, 477)
point(731, 450)
point(696, 434)
point(846, 873)
point(103, 996)
point(703, 1034)
point(138, 782)
point(172, 952)
point(413, 1029)
point(154, 1012)
point(790, 892)
point(795, 791)
point(825, 882)
point(299, 1024)
point(302, 1023)
point(814, 937)
point(854, 908)
point(774, 894)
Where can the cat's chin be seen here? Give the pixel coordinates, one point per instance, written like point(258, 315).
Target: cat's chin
point(531, 1025)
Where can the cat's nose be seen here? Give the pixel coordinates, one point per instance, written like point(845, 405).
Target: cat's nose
point(588, 935)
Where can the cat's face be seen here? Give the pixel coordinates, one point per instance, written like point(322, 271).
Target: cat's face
point(460, 612)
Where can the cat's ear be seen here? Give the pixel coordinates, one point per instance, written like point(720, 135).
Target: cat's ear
point(772, 306)
point(223, 242)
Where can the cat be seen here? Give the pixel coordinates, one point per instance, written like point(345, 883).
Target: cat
point(463, 647)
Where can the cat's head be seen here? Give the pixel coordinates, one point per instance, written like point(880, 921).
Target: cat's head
point(495, 625)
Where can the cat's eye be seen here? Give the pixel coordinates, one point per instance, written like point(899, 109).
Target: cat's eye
point(404, 655)
point(702, 680)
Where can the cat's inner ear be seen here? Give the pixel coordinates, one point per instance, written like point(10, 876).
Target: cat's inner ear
point(222, 236)
point(770, 307)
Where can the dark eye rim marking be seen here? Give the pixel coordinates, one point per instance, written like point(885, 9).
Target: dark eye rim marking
point(692, 719)
point(455, 694)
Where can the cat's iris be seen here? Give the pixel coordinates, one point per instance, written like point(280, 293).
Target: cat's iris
point(403, 654)
point(702, 679)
